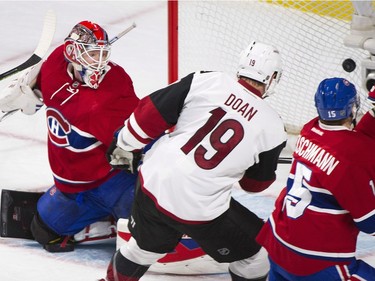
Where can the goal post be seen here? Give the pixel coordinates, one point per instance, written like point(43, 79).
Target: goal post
point(172, 41)
point(309, 35)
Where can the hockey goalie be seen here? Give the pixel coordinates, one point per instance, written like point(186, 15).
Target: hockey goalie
point(83, 109)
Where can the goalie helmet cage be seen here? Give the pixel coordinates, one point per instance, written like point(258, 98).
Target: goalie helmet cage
point(209, 35)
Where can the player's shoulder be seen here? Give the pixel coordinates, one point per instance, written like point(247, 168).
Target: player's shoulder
point(271, 117)
point(57, 55)
point(55, 63)
point(115, 65)
point(116, 68)
point(219, 81)
point(118, 82)
point(345, 144)
point(209, 74)
point(118, 76)
point(306, 128)
point(58, 51)
point(363, 144)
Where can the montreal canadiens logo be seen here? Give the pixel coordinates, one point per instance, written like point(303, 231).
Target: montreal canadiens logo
point(58, 127)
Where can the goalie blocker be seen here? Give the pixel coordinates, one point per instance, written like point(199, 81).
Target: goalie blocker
point(18, 209)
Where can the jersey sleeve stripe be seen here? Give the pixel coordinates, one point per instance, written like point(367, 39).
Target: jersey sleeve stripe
point(129, 139)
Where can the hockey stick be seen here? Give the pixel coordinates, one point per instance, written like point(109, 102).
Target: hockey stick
point(284, 160)
point(48, 31)
point(44, 43)
point(9, 113)
point(41, 50)
point(118, 36)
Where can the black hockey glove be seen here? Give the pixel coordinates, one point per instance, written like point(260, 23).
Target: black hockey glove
point(122, 159)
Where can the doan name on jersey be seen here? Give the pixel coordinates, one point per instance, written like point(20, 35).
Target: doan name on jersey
point(241, 107)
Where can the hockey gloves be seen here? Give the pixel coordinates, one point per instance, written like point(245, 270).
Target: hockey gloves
point(122, 159)
point(20, 95)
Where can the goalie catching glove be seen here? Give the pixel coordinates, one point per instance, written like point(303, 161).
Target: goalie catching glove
point(122, 159)
point(19, 95)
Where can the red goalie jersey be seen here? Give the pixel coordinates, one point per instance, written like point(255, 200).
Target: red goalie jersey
point(319, 214)
point(77, 138)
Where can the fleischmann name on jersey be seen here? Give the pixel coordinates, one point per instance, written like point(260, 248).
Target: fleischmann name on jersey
point(316, 155)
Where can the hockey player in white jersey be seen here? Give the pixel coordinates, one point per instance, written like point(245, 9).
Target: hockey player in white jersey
point(224, 134)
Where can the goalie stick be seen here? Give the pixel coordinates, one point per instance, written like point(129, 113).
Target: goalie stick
point(285, 160)
point(44, 43)
point(48, 31)
point(41, 50)
point(118, 36)
point(9, 113)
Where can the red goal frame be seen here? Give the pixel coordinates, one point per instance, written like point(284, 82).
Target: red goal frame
point(172, 41)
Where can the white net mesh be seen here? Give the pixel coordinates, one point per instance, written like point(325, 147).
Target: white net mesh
point(213, 33)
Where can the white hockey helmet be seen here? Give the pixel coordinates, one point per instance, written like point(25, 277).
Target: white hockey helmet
point(261, 62)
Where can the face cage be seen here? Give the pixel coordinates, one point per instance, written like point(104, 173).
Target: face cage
point(93, 57)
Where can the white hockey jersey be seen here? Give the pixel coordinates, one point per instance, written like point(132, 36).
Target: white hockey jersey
point(224, 133)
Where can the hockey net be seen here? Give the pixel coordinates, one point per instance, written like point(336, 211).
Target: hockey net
point(309, 35)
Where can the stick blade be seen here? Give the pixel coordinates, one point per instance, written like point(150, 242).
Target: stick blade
point(48, 32)
point(44, 43)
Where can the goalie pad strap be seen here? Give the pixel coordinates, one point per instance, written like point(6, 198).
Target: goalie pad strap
point(42, 234)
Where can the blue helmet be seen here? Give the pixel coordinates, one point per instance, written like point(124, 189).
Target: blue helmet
point(335, 99)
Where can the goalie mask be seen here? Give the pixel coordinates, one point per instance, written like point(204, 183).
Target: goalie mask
point(336, 99)
point(262, 63)
point(88, 49)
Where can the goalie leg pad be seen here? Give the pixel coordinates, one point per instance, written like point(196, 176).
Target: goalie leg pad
point(105, 229)
point(69, 213)
point(51, 241)
point(41, 232)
